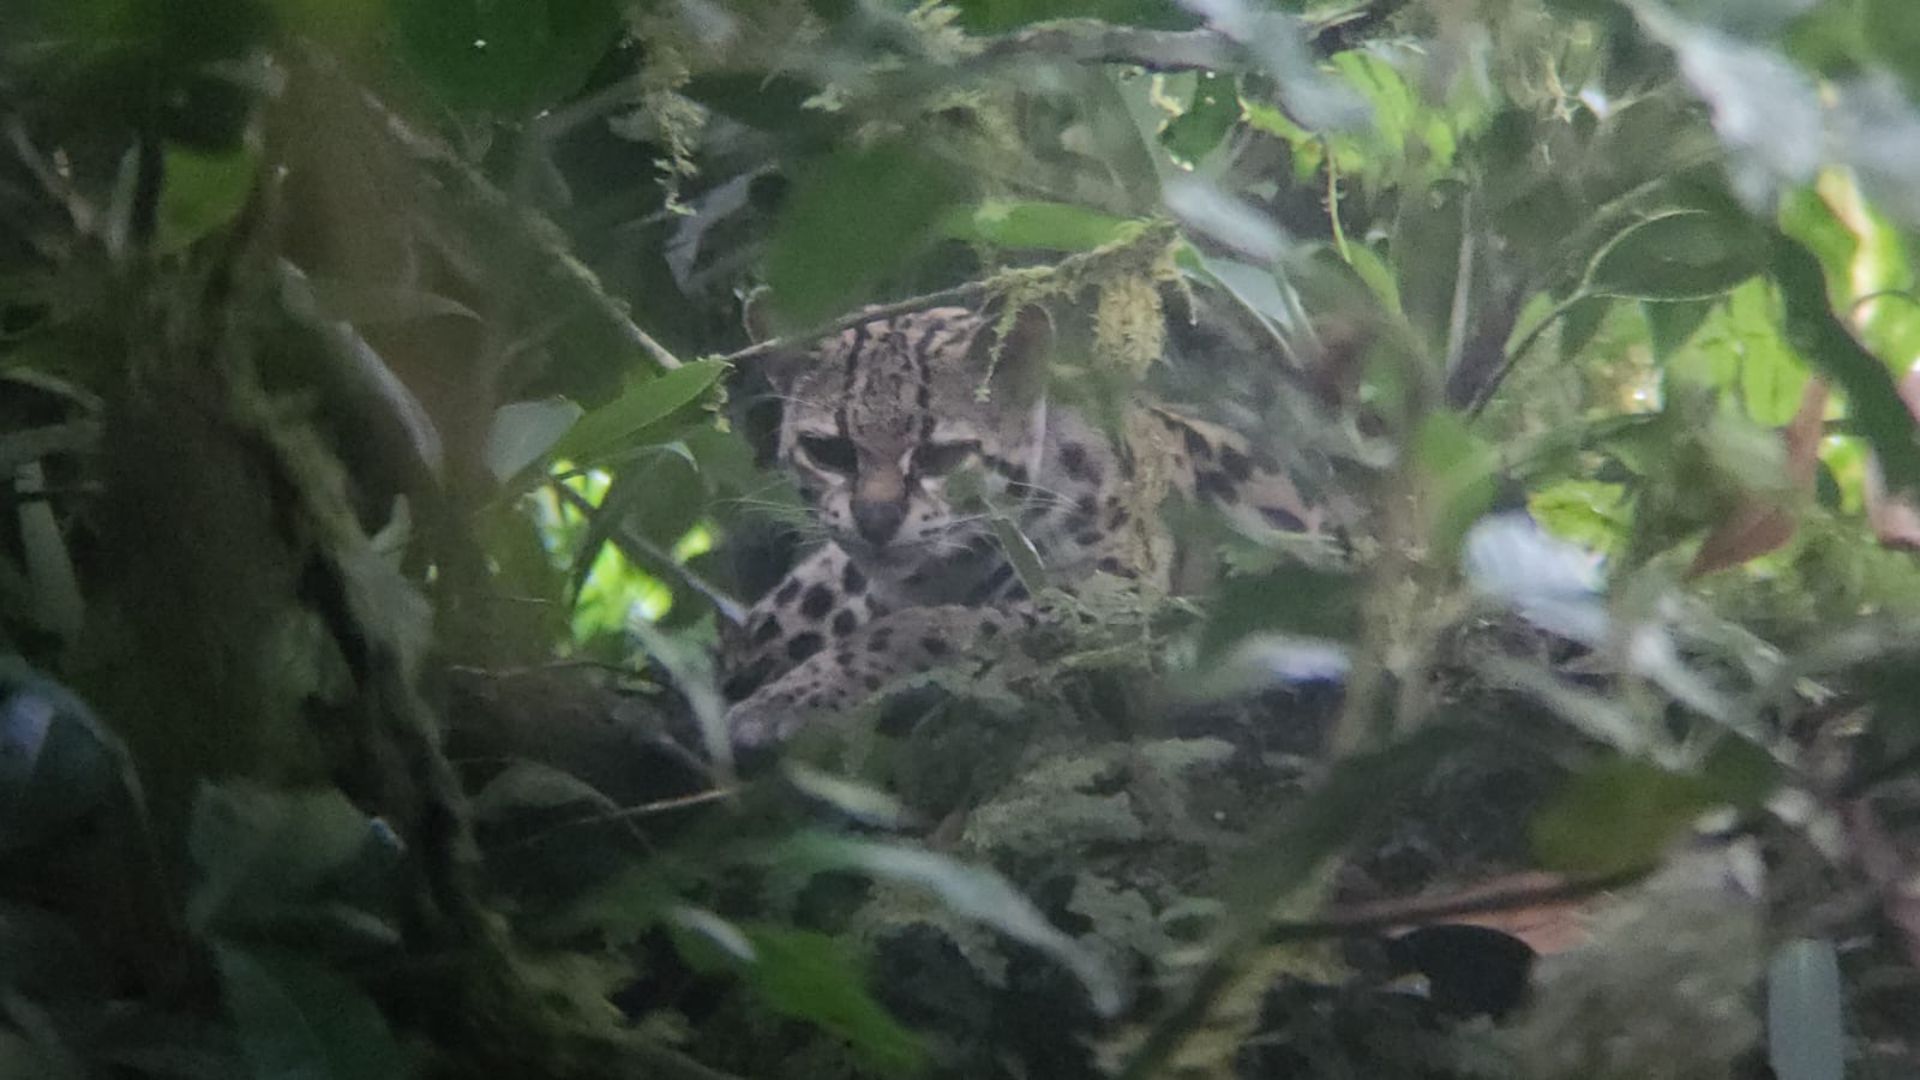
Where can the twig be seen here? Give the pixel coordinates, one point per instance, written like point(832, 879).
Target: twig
point(1388, 913)
point(1091, 41)
point(624, 536)
point(972, 290)
point(1484, 396)
point(626, 814)
point(1221, 970)
point(1146, 234)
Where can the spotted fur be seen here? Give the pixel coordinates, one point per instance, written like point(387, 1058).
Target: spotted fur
point(878, 427)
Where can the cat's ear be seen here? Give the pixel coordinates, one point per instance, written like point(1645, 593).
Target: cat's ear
point(756, 314)
point(1019, 350)
point(783, 365)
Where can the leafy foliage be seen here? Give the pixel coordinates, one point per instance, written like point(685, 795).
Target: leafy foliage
point(386, 457)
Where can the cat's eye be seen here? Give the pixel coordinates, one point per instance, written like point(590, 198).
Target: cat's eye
point(939, 459)
point(831, 452)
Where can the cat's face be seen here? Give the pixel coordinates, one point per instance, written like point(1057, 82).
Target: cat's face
point(882, 421)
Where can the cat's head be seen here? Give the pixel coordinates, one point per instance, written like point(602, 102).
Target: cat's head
point(880, 420)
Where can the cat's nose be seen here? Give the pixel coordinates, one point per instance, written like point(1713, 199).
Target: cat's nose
point(878, 521)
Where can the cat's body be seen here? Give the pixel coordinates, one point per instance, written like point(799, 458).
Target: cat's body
point(924, 444)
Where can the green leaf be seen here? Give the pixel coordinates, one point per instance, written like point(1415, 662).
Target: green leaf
point(1823, 341)
point(1374, 272)
point(1293, 599)
point(621, 423)
point(299, 1021)
point(529, 787)
point(972, 892)
point(1681, 255)
point(852, 220)
point(1671, 325)
point(990, 16)
point(1618, 816)
point(267, 857)
point(1032, 225)
point(1212, 112)
point(1462, 469)
point(1581, 324)
point(1425, 253)
point(200, 192)
point(1806, 1021)
point(514, 57)
point(813, 977)
point(523, 431)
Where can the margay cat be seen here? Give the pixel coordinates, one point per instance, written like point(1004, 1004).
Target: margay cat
point(877, 424)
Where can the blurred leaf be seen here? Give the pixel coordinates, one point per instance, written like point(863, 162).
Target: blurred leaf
point(1892, 35)
point(385, 303)
point(289, 859)
point(971, 892)
point(852, 220)
point(512, 58)
point(1740, 772)
point(813, 977)
point(1580, 324)
point(1761, 523)
point(1806, 1021)
point(528, 786)
point(656, 498)
point(1827, 344)
point(523, 432)
point(1766, 111)
point(1044, 226)
point(1682, 255)
point(619, 424)
point(992, 16)
point(1425, 254)
point(1618, 816)
point(1462, 479)
point(1210, 114)
point(1670, 325)
point(1297, 600)
point(298, 1019)
point(200, 192)
point(57, 762)
point(341, 23)
point(1587, 512)
point(54, 585)
point(1259, 289)
point(869, 806)
point(1378, 276)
